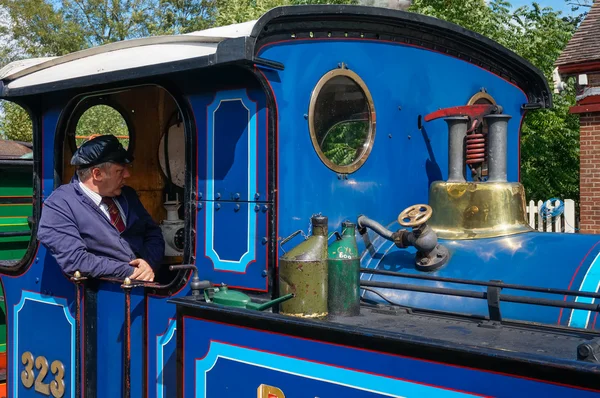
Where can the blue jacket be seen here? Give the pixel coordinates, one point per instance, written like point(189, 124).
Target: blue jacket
point(81, 238)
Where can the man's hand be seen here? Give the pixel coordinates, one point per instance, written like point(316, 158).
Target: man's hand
point(143, 270)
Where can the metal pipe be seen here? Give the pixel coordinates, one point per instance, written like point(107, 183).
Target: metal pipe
point(497, 146)
point(364, 221)
point(550, 303)
point(424, 289)
point(503, 285)
point(457, 132)
point(16, 163)
point(13, 234)
point(482, 295)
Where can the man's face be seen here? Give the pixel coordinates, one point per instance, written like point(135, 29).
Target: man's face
point(111, 179)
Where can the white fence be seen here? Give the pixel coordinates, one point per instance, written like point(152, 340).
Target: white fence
point(564, 222)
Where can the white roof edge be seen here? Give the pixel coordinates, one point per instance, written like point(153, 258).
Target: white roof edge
point(120, 55)
point(14, 72)
point(19, 65)
point(21, 68)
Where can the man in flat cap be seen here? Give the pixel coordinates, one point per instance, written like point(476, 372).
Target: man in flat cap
point(96, 224)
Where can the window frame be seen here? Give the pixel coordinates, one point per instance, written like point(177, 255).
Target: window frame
point(357, 164)
point(89, 102)
point(18, 267)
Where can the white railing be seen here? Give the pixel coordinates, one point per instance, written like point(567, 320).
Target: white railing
point(564, 222)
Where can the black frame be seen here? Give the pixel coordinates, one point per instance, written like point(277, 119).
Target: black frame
point(16, 268)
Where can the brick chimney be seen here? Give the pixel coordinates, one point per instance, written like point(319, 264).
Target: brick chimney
point(581, 59)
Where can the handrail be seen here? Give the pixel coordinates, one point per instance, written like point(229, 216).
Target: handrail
point(131, 282)
point(492, 294)
point(483, 295)
point(139, 283)
point(499, 284)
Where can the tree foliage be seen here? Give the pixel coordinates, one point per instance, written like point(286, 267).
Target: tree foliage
point(16, 123)
point(49, 28)
point(550, 138)
point(550, 151)
point(237, 11)
point(101, 120)
point(344, 143)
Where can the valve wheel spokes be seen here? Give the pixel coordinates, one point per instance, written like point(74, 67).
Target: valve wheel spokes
point(415, 216)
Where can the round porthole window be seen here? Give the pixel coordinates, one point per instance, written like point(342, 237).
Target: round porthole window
point(342, 121)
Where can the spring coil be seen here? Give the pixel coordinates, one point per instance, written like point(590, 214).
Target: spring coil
point(476, 146)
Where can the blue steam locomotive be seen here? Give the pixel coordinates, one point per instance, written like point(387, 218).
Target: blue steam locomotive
point(338, 191)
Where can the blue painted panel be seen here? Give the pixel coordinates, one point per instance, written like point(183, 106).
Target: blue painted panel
point(231, 144)
point(111, 317)
point(233, 155)
point(54, 342)
point(162, 337)
point(308, 368)
point(308, 378)
point(232, 180)
point(40, 310)
point(589, 283)
point(231, 237)
point(238, 241)
point(166, 357)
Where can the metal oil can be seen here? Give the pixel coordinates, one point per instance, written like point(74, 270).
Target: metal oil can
point(303, 272)
point(344, 273)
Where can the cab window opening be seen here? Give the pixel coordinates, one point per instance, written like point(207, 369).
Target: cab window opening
point(149, 123)
point(16, 184)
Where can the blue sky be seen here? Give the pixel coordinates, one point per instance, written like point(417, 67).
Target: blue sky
point(558, 5)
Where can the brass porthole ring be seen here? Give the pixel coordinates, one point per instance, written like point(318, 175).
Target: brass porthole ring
point(370, 113)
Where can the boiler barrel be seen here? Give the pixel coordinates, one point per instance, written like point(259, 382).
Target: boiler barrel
point(548, 260)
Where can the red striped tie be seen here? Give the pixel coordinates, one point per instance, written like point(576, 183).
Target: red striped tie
point(115, 214)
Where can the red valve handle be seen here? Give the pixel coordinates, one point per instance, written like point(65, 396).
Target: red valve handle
point(476, 111)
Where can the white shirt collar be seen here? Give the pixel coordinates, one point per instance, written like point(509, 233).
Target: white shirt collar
point(95, 197)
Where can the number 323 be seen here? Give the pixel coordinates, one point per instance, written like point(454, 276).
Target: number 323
point(56, 387)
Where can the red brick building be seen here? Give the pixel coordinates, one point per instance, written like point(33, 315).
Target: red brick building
point(581, 59)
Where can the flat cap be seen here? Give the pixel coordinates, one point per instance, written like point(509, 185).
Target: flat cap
point(104, 148)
